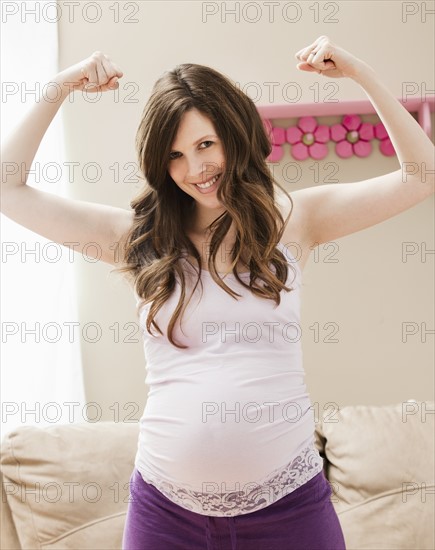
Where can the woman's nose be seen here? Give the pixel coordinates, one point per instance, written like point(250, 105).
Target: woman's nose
point(198, 170)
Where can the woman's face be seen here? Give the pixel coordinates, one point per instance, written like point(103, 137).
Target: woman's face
point(197, 156)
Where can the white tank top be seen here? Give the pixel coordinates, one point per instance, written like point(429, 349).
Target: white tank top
point(228, 426)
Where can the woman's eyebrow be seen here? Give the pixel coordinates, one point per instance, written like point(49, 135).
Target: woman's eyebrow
point(200, 139)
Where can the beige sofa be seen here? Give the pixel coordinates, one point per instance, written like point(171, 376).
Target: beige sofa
point(66, 486)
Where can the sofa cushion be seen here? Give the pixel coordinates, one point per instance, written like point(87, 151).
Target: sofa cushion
point(68, 485)
point(380, 464)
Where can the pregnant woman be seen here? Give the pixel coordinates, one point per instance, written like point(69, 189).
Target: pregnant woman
point(214, 250)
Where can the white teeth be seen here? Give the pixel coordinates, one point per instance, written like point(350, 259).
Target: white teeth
point(208, 184)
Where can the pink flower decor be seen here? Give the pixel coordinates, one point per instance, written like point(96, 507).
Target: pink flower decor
point(277, 138)
point(385, 145)
point(308, 139)
point(352, 137)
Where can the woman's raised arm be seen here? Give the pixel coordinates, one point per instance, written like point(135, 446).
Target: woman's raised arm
point(332, 211)
point(56, 218)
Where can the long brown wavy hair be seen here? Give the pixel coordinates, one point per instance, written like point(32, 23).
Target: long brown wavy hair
point(157, 238)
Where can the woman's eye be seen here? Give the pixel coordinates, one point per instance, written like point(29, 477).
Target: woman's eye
point(173, 156)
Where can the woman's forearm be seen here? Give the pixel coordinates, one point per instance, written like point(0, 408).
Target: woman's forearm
point(19, 149)
point(414, 149)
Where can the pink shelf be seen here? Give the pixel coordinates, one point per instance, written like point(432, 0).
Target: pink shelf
point(360, 107)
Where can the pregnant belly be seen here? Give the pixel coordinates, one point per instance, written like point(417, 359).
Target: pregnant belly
point(223, 436)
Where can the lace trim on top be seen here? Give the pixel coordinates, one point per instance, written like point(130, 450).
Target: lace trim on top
point(278, 484)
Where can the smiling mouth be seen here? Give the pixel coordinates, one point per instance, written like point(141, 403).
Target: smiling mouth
point(209, 183)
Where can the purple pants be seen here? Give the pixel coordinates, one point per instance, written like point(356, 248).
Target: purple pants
point(305, 519)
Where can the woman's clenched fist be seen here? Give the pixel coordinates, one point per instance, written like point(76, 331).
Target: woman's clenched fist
point(97, 73)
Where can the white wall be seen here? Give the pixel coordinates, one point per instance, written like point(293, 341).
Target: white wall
point(370, 291)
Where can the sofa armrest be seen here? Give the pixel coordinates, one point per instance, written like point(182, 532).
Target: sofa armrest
point(67, 486)
point(8, 533)
point(381, 471)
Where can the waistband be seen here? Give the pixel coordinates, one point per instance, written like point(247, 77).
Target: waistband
point(255, 496)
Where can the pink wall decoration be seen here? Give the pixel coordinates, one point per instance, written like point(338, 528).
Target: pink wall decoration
point(350, 137)
point(308, 139)
point(385, 145)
